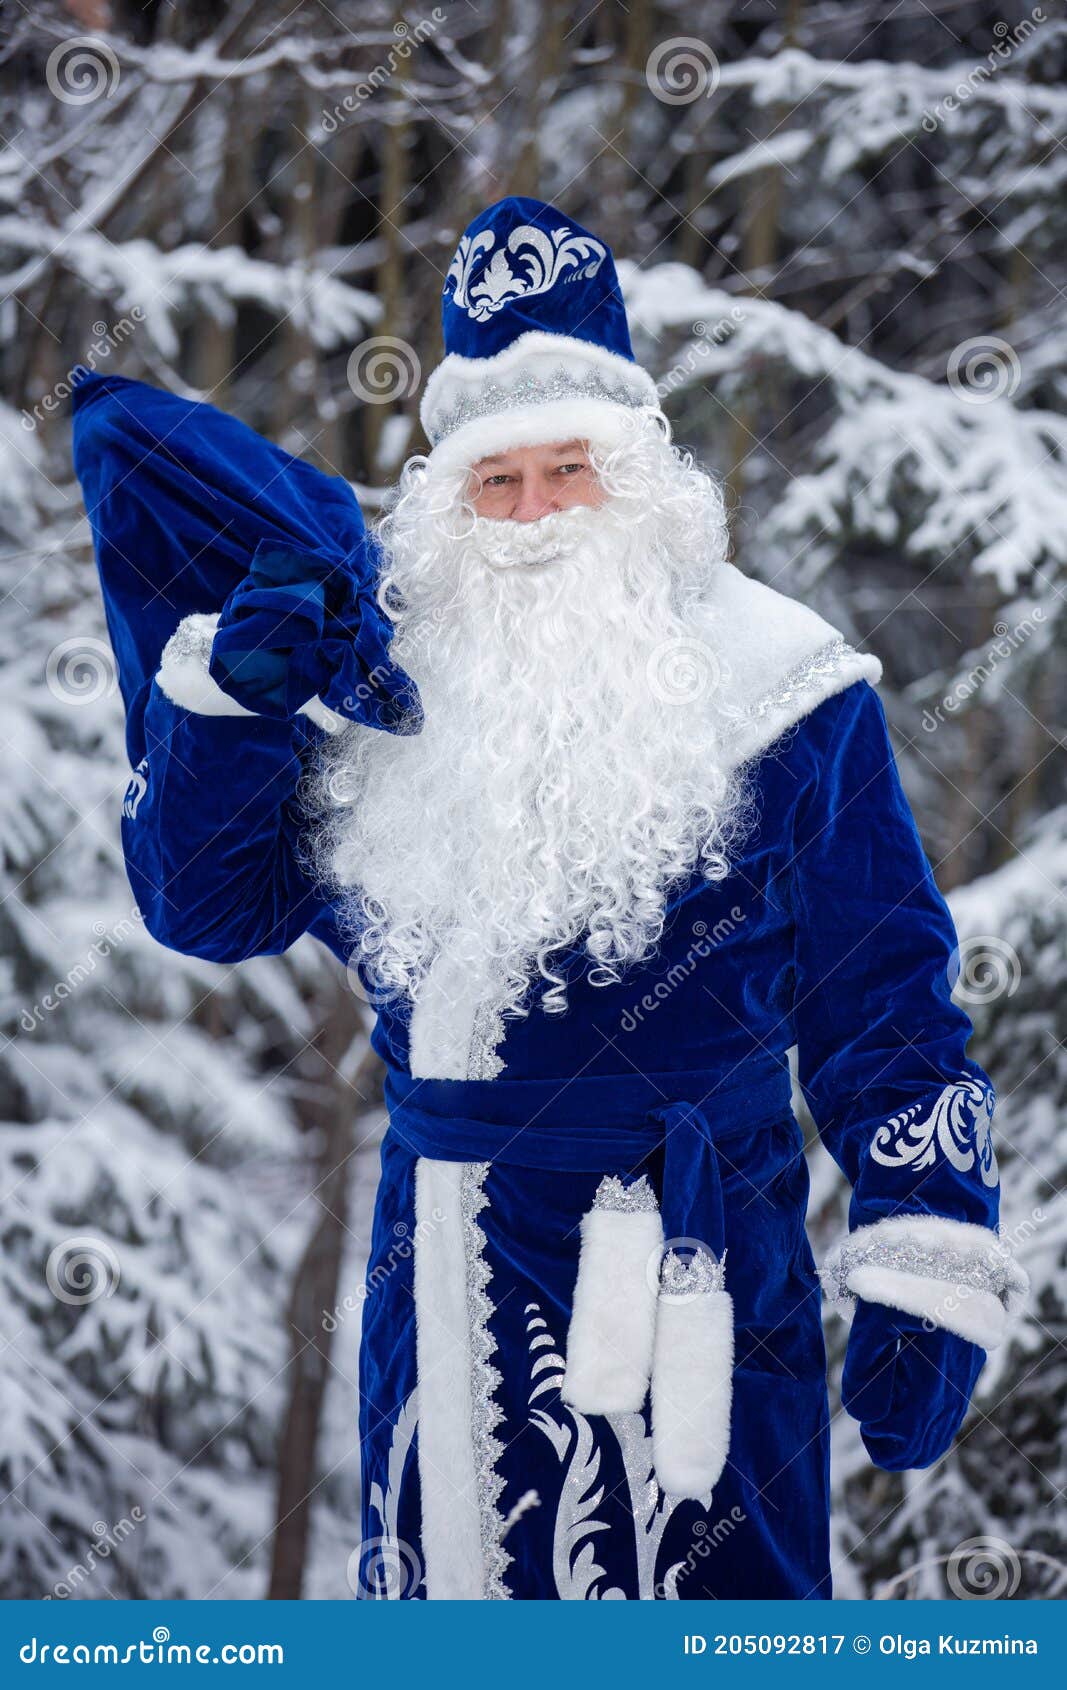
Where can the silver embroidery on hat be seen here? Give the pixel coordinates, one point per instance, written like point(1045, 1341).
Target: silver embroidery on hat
point(492, 397)
point(546, 257)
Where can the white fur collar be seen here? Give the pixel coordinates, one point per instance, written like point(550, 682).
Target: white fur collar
point(783, 658)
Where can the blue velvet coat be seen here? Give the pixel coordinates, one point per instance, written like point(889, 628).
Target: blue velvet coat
point(829, 935)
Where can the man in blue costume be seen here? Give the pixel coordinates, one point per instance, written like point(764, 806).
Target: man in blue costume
point(606, 829)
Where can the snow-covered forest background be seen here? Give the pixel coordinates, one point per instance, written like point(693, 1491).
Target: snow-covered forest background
point(842, 229)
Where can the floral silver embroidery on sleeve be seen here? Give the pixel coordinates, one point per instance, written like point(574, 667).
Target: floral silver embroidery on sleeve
point(957, 1126)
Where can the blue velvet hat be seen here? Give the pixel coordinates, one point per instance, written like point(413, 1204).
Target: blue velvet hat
point(537, 346)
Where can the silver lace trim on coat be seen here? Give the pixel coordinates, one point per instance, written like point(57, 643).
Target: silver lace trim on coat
point(486, 1413)
point(483, 1063)
point(685, 1276)
point(990, 1270)
point(821, 665)
point(192, 640)
point(638, 1198)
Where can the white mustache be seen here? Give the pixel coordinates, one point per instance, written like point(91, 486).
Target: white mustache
point(503, 543)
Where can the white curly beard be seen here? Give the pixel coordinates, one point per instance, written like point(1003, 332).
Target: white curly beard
point(571, 765)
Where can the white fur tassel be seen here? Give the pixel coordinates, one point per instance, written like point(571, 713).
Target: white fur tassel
point(692, 1390)
point(613, 1323)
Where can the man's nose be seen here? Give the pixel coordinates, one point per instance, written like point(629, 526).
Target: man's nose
point(532, 501)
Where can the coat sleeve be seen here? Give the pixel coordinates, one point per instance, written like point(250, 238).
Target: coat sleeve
point(239, 589)
point(211, 833)
point(902, 1107)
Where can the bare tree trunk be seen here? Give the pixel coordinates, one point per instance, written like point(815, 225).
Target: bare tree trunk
point(390, 288)
point(761, 237)
point(329, 1110)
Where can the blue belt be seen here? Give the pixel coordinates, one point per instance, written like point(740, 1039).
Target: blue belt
point(606, 1125)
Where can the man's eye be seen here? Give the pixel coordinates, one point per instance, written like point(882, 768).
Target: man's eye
point(569, 467)
point(497, 480)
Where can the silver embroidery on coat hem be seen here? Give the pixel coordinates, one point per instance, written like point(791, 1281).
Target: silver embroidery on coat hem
point(486, 1413)
point(577, 1441)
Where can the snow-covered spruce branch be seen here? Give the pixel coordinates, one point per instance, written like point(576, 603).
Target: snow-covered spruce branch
point(931, 468)
point(138, 274)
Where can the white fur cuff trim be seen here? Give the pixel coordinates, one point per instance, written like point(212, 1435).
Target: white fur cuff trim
point(609, 1344)
point(692, 1391)
point(184, 678)
point(952, 1273)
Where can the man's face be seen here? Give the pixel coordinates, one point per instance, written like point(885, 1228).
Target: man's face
point(528, 482)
